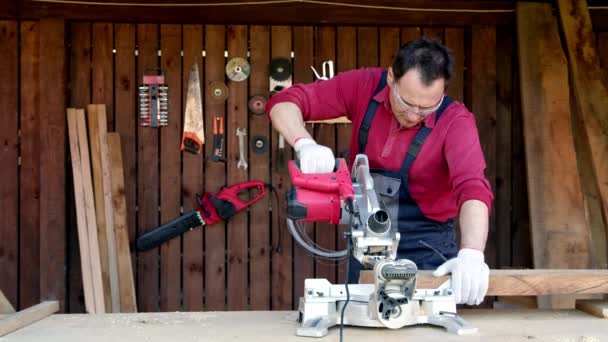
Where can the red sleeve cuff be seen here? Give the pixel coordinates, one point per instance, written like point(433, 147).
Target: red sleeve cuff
point(477, 193)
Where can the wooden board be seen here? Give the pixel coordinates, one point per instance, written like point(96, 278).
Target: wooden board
point(192, 181)
point(389, 44)
point(590, 87)
point(215, 173)
point(29, 182)
point(28, 316)
point(147, 178)
point(367, 36)
point(5, 306)
point(9, 152)
point(260, 245)
point(559, 231)
point(170, 170)
point(238, 295)
point(525, 282)
point(433, 33)
point(52, 160)
point(100, 204)
point(409, 33)
point(102, 68)
point(454, 40)
point(596, 307)
point(119, 203)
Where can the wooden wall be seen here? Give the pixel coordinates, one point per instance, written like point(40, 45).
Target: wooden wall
point(250, 262)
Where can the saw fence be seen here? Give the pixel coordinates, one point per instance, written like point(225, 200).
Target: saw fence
point(514, 77)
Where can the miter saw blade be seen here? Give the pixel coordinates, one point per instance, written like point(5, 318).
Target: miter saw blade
point(218, 92)
point(237, 69)
point(280, 69)
point(257, 104)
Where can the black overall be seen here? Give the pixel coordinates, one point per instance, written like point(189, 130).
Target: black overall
point(393, 192)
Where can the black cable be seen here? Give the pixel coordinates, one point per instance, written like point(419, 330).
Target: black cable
point(433, 249)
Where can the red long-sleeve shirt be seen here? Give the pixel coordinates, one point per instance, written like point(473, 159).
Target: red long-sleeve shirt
point(449, 169)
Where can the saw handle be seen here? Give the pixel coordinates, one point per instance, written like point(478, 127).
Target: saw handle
point(337, 181)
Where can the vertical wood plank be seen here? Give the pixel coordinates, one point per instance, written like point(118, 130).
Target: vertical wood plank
point(170, 182)
point(237, 225)
point(367, 47)
point(389, 43)
point(454, 40)
point(52, 160)
point(409, 33)
point(325, 134)
point(282, 271)
point(433, 33)
point(303, 43)
point(260, 246)
point(9, 152)
point(126, 118)
point(346, 59)
point(192, 181)
point(602, 48)
point(147, 178)
point(29, 181)
point(215, 177)
point(483, 85)
point(103, 73)
point(504, 100)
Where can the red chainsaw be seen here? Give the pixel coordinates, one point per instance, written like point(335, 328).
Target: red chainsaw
point(211, 208)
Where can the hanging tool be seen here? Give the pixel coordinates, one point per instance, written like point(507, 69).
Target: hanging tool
point(260, 144)
point(218, 92)
point(237, 69)
point(153, 100)
point(281, 155)
point(211, 208)
point(257, 104)
point(218, 139)
point(280, 74)
point(194, 135)
point(328, 70)
point(241, 133)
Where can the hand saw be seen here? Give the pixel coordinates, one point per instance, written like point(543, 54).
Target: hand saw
point(194, 136)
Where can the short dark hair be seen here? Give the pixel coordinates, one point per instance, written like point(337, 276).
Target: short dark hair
point(432, 59)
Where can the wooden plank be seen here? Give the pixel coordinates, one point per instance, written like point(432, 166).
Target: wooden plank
point(5, 306)
point(325, 134)
point(192, 181)
point(454, 40)
point(147, 178)
point(282, 272)
point(433, 33)
point(102, 68)
point(504, 101)
point(80, 96)
point(346, 59)
point(367, 49)
point(109, 211)
point(81, 224)
point(389, 45)
point(602, 47)
point(52, 160)
point(595, 307)
point(559, 232)
point(9, 172)
point(170, 173)
point(29, 182)
point(28, 316)
point(215, 177)
point(303, 45)
point(260, 245)
point(119, 202)
point(525, 282)
point(125, 90)
point(237, 225)
point(100, 205)
point(410, 33)
point(590, 87)
point(89, 210)
point(483, 106)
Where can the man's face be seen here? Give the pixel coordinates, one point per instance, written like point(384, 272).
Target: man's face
point(411, 100)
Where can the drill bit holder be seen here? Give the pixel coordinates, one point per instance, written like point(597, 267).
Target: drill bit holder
point(153, 100)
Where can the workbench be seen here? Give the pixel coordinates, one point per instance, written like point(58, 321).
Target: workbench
point(270, 326)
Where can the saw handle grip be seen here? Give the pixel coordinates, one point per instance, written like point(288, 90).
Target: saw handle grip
point(337, 181)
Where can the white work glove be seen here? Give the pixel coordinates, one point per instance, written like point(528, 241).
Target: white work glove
point(314, 158)
point(470, 276)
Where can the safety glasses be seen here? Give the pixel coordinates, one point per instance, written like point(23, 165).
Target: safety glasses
point(420, 111)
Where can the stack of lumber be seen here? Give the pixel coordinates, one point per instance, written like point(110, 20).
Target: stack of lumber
point(100, 212)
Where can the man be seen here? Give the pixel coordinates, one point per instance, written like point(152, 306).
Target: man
point(424, 151)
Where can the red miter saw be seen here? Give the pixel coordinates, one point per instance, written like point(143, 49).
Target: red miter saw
point(211, 208)
point(393, 301)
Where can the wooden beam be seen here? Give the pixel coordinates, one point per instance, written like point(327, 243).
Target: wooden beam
point(5, 305)
point(28, 316)
point(560, 235)
point(595, 307)
point(535, 282)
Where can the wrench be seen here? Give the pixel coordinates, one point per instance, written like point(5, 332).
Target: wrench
point(241, 133)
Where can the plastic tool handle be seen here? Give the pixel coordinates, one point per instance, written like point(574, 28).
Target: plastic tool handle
point(169, 230)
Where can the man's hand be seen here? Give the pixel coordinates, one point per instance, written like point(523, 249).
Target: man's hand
point(470, 276)
point(314, 158)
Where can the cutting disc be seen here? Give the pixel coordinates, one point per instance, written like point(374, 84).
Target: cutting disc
point(280, 69)
point(257, 104)
point(218, 92)
point(237, 69)
point(259, 144)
